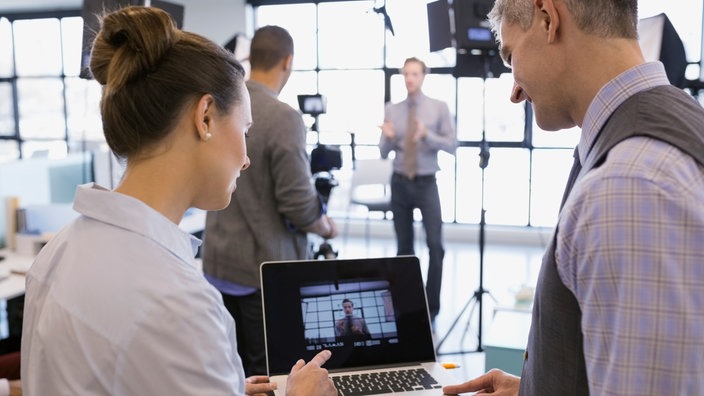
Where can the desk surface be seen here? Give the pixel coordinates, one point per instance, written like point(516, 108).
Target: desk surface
point(12, 270)
point(509, 329)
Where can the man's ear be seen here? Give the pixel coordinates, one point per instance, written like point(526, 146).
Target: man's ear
point(550, 20)
point(288, 62)
point(203, 116)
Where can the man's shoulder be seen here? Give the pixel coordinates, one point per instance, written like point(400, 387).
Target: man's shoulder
point(272, 108)
point(435, 102)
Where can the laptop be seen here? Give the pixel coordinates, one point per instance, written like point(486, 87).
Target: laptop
point(371, 313)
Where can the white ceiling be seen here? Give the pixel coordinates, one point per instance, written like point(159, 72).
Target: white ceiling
point(34, 5)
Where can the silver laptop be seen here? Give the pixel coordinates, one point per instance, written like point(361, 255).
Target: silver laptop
point(370, 313)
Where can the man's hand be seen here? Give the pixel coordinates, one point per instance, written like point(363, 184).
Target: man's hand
point(310, 379)
point(332, 228)
point(258, 385)
point(323, 226)
point(387, 129)
point(495, 382)
point(421, 131)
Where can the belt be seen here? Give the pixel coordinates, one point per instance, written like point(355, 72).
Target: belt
point(416, 178)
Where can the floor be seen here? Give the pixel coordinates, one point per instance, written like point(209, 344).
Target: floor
point(507, 269)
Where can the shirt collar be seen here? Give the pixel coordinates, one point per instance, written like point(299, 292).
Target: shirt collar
point(129, 213)
point(632, 81)
point(256, 85)
point(418, 99)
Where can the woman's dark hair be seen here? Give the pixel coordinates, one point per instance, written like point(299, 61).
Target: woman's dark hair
point(151, 71)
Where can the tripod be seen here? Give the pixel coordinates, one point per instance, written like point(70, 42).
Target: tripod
point(323, 159)
point(477, 298)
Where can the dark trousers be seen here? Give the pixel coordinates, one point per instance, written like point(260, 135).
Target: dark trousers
point(10, 366)
point(15, 318)
point(422, 193)
point(248, 315)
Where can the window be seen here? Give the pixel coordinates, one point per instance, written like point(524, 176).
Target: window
point(349, 61)
point(346, 51)
point(44, 106)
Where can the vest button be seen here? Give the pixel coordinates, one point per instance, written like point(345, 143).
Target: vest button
point(525, 355)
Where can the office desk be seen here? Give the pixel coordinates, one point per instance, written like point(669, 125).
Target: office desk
point(12, 269)
point(507, 340)
point(14, 266)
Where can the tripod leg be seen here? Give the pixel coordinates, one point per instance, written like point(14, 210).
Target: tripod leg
point(457, 319)
point(475, 301)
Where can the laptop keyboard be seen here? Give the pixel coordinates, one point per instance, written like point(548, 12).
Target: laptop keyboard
point(375, 383)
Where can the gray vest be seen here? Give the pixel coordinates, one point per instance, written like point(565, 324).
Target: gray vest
point(554, 359)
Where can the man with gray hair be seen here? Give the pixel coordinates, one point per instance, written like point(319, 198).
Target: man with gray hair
point(619, 300)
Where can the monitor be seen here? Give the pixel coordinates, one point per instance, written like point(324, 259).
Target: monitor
point(312, 104)
point(42, 181)
point(472, 30)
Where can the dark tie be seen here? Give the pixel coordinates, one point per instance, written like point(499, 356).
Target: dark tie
point(348, 326)
point(576, 167)
point(410, 149)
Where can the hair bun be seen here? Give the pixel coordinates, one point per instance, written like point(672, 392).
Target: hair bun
point(130, 44)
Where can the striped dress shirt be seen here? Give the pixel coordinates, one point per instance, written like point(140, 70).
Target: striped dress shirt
point(631, 250)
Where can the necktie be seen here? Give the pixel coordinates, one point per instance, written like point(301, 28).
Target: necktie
point(410, 150)
point(348, 326)
point(576, 167)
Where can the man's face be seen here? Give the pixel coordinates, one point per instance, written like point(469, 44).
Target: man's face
point(348, 308)
point(537, 66)
point(413, 76)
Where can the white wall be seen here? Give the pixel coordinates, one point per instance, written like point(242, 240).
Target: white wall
point(218, 20)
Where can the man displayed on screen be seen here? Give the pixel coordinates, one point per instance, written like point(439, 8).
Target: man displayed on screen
point(351, 325)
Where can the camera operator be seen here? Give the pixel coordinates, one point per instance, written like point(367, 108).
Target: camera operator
point(275, 205)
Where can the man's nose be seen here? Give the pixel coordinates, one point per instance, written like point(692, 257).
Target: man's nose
point(518, 95)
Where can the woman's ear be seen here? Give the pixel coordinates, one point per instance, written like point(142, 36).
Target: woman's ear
point(203, 115)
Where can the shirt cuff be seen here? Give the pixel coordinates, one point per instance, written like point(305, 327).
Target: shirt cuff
point(4, 387)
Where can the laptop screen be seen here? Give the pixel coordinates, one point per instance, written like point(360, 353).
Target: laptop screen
point(367, 312)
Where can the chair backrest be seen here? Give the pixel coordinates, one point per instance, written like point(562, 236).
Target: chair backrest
point(371, 184)
point(370, 172)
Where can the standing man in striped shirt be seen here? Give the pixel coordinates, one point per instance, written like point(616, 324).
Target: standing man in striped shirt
point(416, 129)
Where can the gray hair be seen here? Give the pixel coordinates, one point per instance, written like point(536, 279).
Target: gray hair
point(602, 18)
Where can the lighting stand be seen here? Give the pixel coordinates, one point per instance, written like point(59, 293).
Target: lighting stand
point(476, 301)
point(478, 296)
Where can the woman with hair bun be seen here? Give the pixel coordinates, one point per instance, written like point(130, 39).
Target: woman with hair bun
point(115, 304)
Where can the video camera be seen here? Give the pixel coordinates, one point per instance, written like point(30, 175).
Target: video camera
point(323, 160)
point(313, 105)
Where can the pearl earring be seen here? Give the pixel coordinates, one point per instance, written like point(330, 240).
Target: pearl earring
point(208, 135)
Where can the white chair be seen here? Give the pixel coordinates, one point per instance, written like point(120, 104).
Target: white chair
point(370, 186)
